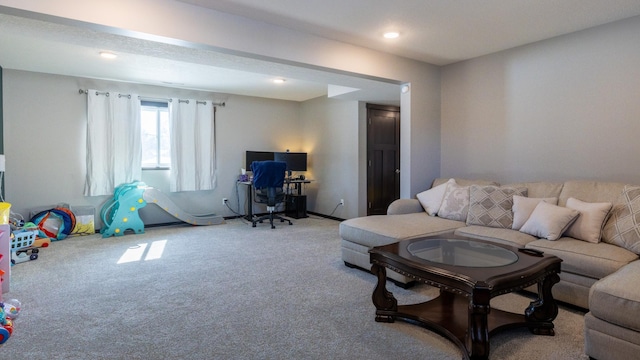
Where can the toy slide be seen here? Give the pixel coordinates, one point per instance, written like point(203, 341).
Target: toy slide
point(121, 213)
point(155, 196)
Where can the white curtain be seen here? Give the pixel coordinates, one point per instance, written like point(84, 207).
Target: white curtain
point(193, 160)
point(113, 141)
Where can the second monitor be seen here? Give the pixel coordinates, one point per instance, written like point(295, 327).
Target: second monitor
point(295, 161)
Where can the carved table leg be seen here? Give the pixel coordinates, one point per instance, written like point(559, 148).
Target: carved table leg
point(543, 310)
point(383, 299)
point(478, 336)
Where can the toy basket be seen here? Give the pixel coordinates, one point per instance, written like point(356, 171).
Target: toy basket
point(23, 239)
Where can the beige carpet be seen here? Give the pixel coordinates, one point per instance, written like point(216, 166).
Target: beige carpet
point(231, 292)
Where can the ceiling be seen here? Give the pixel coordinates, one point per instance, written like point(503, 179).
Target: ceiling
point(439, 32)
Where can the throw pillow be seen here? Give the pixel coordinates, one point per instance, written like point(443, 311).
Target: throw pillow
point(623, 227)
point(549, 221)
point(455, 203)
point(523, 207)
point(432, 198)
point(491, 205)
point(588, 226)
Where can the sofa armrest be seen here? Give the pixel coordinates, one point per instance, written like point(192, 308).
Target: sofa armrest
point(404, 206)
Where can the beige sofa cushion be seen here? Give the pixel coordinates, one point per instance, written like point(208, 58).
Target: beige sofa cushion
point(587, 259)
point(464, 182)
point(540, 189)
point(404, 206)
point(616, 298)
point(502, 236)
point(590, 191)
point(379, 230)
point(604, 340)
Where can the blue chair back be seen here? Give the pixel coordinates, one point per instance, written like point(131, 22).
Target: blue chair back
point(268, 174)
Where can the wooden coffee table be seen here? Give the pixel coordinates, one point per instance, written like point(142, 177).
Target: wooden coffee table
point(469, 273)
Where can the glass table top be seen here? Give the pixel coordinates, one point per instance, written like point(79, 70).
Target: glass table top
point(465, 253)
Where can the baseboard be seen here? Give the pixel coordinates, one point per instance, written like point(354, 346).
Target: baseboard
point(238, 217)
point(325, 216)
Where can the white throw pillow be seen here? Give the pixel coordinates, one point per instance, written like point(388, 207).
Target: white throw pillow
point(432, 198)
point(523, 207)
point(588, 226)
point(549, 221)
point(455, 204)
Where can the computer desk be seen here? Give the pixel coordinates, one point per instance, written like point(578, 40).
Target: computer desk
point(297, 187)
point(297, 184)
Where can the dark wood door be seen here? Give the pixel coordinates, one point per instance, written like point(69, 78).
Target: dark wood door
point(383, 157)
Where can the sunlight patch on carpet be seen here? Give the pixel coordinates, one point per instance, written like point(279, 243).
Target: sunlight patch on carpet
point(136, 253)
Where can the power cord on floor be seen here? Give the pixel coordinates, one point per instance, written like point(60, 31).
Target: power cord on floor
point(335, 208)
point(233, 211)
point(237, 213)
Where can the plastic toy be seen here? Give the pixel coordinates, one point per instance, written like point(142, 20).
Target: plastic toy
point(5, 333)
point(9, 311)
point(22, 239)
point(41, 242)
point(12, 308)
point(56, 223)
point(21, 246)
point(120, 213)
point(23, 255)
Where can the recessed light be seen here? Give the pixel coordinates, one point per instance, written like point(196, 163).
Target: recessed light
point(391, 35)
point(108, 55)
point(278, 81)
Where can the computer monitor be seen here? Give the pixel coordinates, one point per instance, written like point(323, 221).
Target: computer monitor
point(295, 161)
point(252, 156)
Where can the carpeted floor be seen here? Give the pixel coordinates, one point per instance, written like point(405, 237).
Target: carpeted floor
point(231, 292)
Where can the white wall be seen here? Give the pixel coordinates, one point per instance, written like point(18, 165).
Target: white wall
point(330, 130)
point(45, 142)
point(564, 108)
point(198, 27)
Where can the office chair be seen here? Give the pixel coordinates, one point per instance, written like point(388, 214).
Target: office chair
point(268, 180)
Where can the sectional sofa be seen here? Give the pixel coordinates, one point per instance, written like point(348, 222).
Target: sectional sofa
point(594, 227)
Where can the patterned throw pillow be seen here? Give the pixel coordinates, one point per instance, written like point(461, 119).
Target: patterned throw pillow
point(623, 227)
point(491, 205)
point(432, 198)
point(455, 203)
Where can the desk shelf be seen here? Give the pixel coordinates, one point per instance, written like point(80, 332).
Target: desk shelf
point(296, 206)
point(295, 201)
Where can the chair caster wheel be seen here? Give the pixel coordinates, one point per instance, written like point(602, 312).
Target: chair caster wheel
point(253, 225)
point(273, 227)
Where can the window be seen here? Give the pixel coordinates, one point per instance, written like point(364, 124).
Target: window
point(156, 136)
